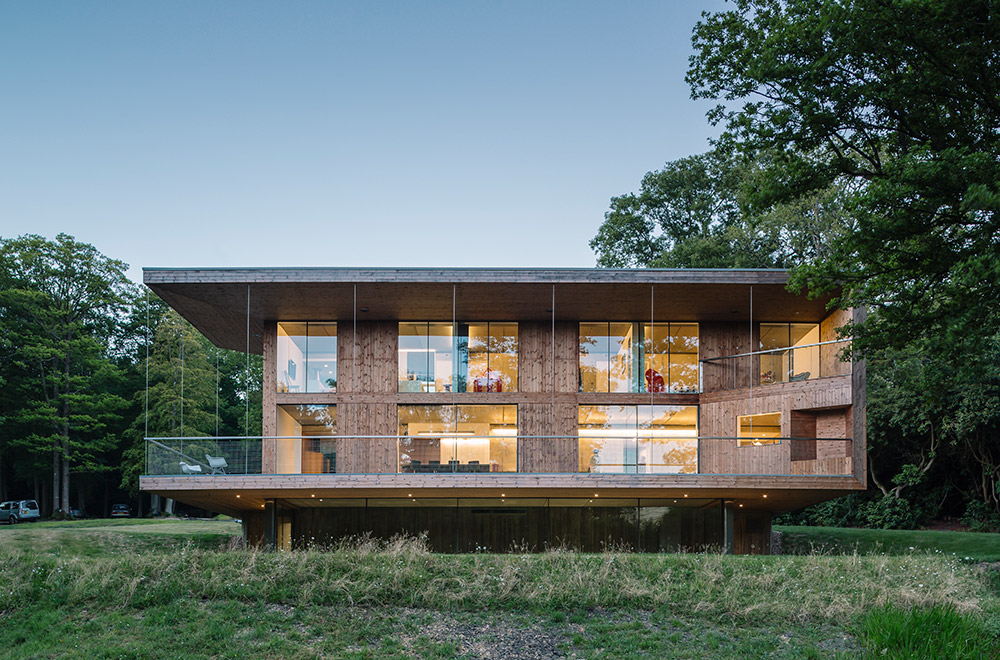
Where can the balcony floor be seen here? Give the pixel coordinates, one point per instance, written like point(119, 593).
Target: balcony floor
point(233, 494)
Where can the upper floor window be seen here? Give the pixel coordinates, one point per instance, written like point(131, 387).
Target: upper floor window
point(780, 360)
point(307, 357)
point(638, 357)
point(462, 357)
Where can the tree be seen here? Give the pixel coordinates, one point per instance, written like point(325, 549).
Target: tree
point(898, 103)
point(61, 301)
point(691, 214)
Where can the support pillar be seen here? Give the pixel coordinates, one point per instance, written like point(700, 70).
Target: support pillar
point(729, 526)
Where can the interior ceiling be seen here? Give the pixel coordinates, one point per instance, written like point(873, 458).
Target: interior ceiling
point(217, 301)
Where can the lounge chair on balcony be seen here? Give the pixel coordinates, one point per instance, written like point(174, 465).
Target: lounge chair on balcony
point(217, 464)
point(434, 466)
point(190, 469)
point(414, 466)
point(453, 466)
point(474, 466)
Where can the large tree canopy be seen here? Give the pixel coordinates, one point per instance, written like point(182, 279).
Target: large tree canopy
point(898, 101)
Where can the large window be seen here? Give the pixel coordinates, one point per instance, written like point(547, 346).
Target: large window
point(307, 357)
point(299, 450)
point(478, 438)
point(464, 357)
point(638, 439)
point(639, 357)
point(782, 362)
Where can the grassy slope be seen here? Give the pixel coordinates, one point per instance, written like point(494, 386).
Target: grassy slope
point(968, 545)
point(168, 590)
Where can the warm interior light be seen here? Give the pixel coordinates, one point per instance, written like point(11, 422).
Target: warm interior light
point(741, 506)
point(237, 497)
point(446, 434)
point(313, 495)
point(765, 496)
point(685, 494)
point(641, 434)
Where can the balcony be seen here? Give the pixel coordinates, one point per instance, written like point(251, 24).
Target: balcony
point(453, 455)
point(789, 364)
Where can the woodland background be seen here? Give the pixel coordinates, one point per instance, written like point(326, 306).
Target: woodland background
point(859, 148)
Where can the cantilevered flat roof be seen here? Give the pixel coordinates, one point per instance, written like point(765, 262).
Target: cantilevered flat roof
point(222, 302)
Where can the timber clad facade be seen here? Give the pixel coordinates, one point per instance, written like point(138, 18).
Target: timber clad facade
point(661, 410)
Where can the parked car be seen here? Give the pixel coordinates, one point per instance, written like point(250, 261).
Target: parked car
point(121, 511)
point(18, 511)
point(76, 513)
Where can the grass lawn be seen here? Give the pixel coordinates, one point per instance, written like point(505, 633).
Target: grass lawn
point(968, 545)
point(178, 589)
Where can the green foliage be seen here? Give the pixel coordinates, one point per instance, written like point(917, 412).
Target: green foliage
point(889, 512)
point(691, 214)
point(896, 102)
point(939, 631)
point(981, 517)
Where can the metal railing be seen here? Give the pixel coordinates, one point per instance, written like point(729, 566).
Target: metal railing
point(784, 365)
point(612, 453)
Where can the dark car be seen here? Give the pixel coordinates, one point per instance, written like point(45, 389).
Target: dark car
point(76, 513)
point(121, 511)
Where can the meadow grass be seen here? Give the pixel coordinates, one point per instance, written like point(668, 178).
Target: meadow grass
point(125, 591)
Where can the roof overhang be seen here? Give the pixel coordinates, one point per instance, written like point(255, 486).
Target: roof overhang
point(230, 305)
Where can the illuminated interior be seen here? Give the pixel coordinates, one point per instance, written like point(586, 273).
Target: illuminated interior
point(465, 357)
point(307, 357)
point(763, 429)
point(298, 450)
point(613, 359)
point(443, 438)
point(638, 439)
point(792, 364)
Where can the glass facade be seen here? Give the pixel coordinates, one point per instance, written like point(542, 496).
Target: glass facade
point(786, 363)
point(639, 357)
point(443, 438)
point(298, 450)
point(638, 439)
point(307, 357)
point(465, 357)
point(763, 429)
point(517, 524)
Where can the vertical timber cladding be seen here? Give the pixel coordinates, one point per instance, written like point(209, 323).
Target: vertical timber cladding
point(539, 360)
point(269, 407)
point(752, 532)
point(718, 339)
point(366, 366)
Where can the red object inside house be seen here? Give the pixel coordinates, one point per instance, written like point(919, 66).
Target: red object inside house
point(654, 381)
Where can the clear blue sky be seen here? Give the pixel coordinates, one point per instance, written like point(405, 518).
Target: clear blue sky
point(334, 134)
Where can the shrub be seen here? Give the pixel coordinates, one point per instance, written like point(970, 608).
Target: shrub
point(981, 517)
point(889, 513)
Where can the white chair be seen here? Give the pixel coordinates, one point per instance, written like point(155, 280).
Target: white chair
point(190, 469)
point(217, 464)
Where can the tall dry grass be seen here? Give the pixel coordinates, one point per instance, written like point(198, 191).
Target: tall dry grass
point(402, 572)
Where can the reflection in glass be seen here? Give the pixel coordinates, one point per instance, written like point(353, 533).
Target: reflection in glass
point(291, 360)
point(612, 360)
point(638, 439)
point(791, 364)
point(671, 357)
point(763, 429)
point(469, 357)
point(298, 452)
point(443, 438)
point(307, 357)
point(321, 361)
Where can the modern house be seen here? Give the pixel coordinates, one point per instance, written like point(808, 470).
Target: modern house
point(658, 410)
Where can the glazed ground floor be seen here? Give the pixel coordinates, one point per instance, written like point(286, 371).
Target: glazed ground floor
point(516, 524)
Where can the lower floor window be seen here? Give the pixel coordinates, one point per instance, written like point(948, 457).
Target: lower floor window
point(638, 439)
point(452, 438)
